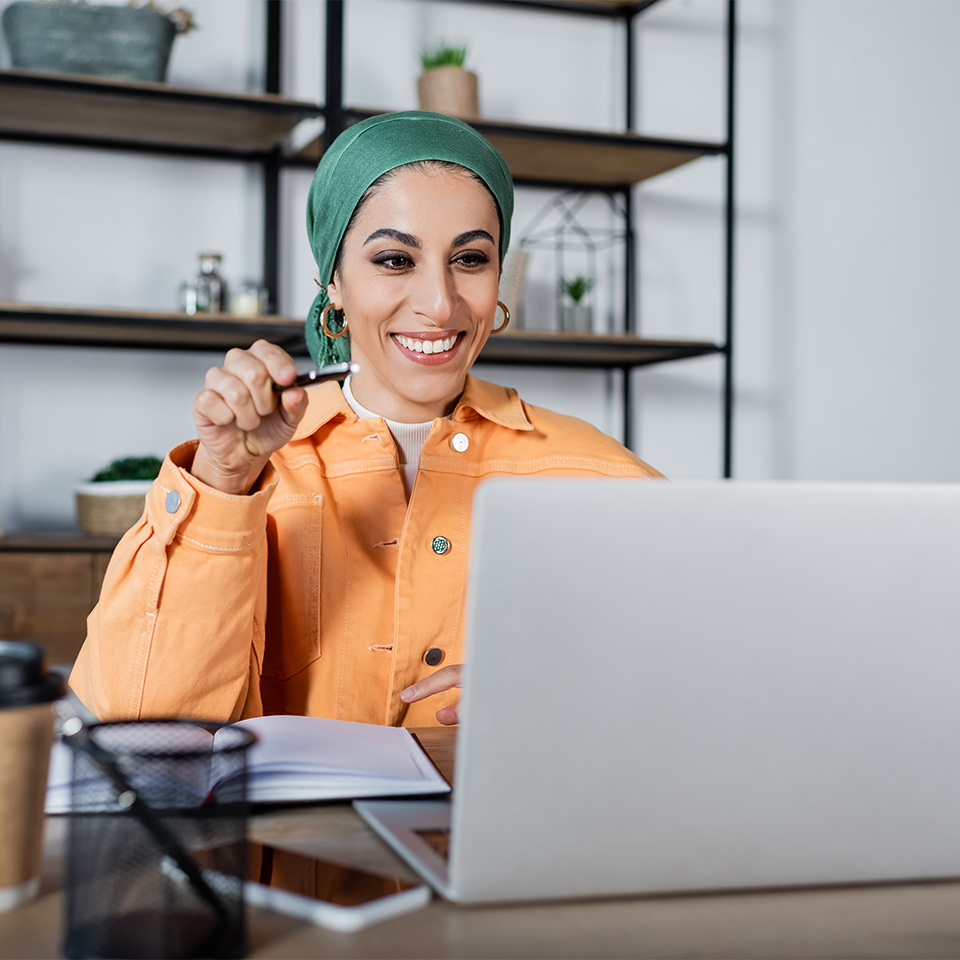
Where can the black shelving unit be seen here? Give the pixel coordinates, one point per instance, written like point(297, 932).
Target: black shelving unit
point(637, 158)
point(160, 119)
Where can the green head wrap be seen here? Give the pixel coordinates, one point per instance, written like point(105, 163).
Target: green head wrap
point(360, 155)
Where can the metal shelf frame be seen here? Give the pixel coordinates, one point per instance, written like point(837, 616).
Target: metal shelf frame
point(339, 117)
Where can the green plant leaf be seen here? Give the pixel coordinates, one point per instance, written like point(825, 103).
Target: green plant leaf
point(130, 468)
point(445, 55)
point(577, 288)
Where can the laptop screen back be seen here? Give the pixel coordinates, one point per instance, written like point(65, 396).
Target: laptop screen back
point(703, 686)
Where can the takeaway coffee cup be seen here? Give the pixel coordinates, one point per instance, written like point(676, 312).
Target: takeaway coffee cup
point(27, 693)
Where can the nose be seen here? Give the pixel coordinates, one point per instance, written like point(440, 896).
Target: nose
point(434, 296)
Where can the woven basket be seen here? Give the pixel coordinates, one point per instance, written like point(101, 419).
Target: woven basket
point(110, 507)
point(129, 43)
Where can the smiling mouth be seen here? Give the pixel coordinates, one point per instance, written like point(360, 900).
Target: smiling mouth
point(427, 347)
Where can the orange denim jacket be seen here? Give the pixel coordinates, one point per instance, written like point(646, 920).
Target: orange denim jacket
point(319, 593)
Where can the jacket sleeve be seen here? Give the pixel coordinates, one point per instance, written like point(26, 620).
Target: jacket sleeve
point(178, 630)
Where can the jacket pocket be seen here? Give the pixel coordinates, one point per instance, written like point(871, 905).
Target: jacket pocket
point(294, 528)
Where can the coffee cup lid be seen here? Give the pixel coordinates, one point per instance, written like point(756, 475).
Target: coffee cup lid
point(24, 679)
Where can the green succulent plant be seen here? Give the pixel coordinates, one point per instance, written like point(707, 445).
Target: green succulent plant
point(444, 55)
point(577, 288)
point(130, 468)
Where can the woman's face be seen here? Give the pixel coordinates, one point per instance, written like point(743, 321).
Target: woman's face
point(418, 284)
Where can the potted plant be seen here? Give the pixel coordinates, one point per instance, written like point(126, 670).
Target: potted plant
point(112, 501)
point(445, 86)
point(576, 316)
point(128, 43)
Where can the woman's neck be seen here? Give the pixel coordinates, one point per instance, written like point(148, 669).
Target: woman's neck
point(393, 406)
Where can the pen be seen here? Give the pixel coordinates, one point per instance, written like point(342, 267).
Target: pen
point(333, 371)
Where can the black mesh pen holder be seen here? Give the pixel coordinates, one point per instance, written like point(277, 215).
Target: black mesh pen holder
point(156, 849)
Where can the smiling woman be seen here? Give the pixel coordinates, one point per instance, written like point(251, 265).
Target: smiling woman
point(307, 554)
point(421, 293)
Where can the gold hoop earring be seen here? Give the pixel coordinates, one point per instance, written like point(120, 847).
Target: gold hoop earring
point(326, 329)
point(506, 318)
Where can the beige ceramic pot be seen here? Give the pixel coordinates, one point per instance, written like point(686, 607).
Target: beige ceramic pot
point(449, 90)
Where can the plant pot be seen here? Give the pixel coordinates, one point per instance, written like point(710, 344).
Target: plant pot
point(576, 318)
point(110, 507)
point(129, 43)
point(449, 90)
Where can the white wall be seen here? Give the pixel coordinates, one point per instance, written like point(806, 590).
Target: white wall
point(847, 192)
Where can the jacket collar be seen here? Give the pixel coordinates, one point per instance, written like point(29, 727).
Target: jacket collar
point(500, 405)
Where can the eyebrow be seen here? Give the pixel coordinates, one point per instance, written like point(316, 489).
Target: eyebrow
point(470, 236)
point(409, 240)
point(405, 238)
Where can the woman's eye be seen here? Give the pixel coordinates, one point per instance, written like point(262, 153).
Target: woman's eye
point(393, 261)
point(472, 258)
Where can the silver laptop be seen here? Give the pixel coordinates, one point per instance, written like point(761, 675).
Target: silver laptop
point(680, 687)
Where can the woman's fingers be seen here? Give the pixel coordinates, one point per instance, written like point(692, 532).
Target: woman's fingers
point(241, 419)
point(444, 679)
point(277, 363)
point(210, 407)
point(236, 394)
point(449, 715)
point(255, 372)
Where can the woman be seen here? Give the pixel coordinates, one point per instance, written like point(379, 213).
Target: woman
point(307, 554)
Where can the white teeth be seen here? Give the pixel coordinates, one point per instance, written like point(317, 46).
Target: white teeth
point(427, 346)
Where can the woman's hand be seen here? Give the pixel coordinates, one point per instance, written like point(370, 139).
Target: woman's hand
point(445, 679)
point(241, 420)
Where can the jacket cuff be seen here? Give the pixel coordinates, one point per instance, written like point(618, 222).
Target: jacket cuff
point(180, 505)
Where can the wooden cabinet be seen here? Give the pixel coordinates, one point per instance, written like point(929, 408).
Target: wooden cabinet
point(48, 585)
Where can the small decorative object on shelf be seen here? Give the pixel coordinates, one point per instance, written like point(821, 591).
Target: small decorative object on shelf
point(128, 43)
point(576, 316)
point(445, 86)
point(207, 292)
point(581, 228)
point(249, 300)
point(113, 500)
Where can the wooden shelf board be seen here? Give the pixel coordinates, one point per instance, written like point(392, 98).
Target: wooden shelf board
point(56, 541)
point(543, 348)
point(28, 324)
point(586, 157)
point(591, 6)
point(617, 8)
point(93, 108)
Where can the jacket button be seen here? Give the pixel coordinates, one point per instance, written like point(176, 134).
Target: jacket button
point(172, 503)
point(460, 442)
point(433, 656)
point(440, 546)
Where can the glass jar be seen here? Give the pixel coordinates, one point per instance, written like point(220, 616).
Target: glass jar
point(207, 291)
point(189, 294)
point(249, 300)
point(212, 295)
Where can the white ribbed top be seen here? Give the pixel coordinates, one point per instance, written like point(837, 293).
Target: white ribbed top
point(409, 437)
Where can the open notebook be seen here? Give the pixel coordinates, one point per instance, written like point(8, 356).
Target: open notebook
point(299, 759)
